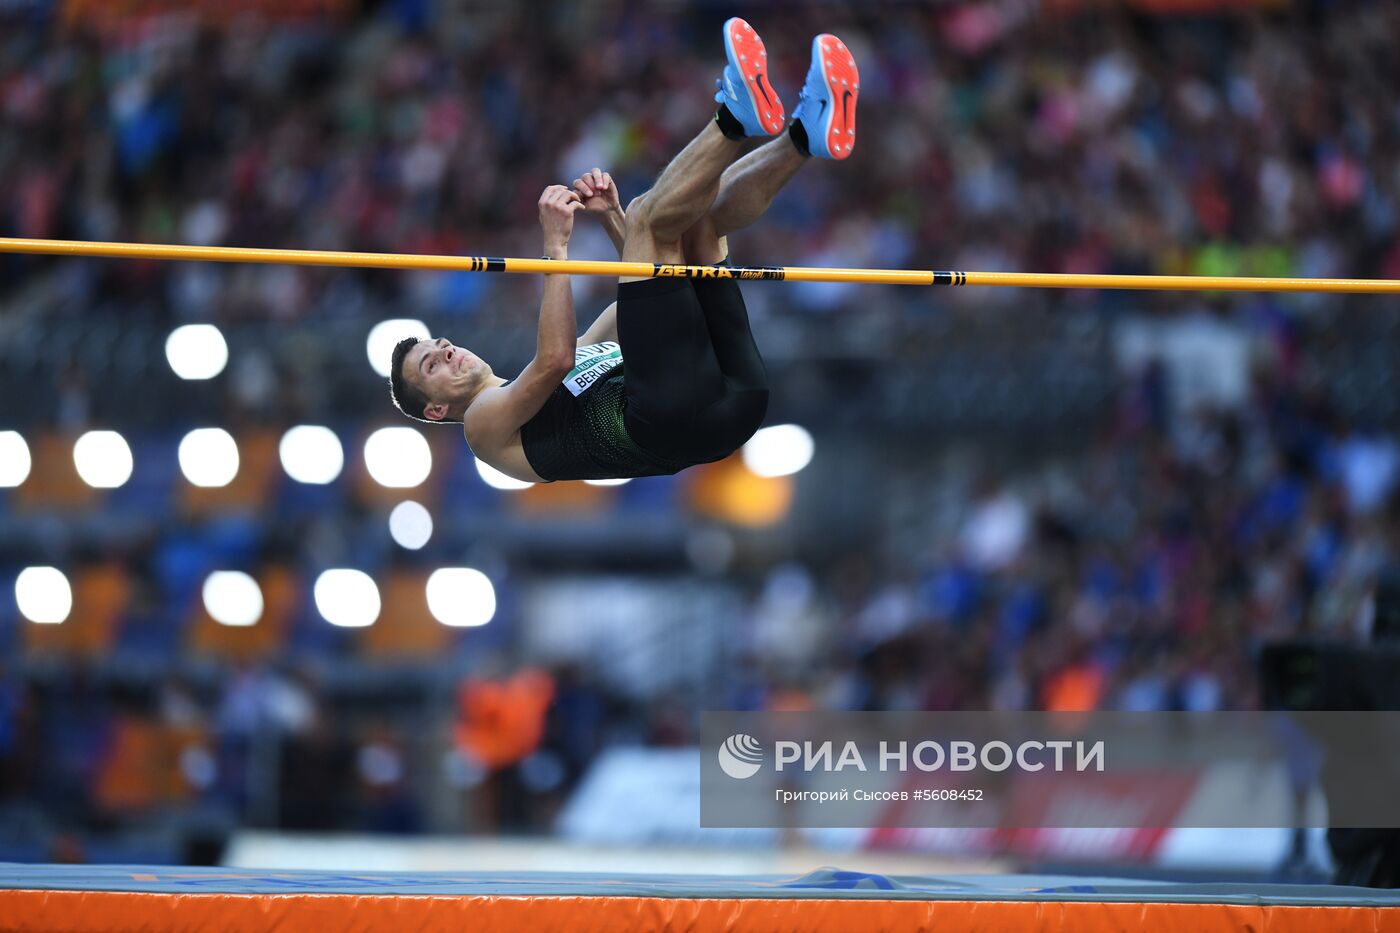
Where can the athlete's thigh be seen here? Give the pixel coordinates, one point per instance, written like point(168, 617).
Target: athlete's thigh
point(727, 320)
point(672, 372)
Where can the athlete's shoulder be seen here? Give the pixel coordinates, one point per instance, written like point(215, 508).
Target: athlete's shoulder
point(480, 419)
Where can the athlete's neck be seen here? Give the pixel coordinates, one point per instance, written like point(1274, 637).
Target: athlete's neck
point(492, 381)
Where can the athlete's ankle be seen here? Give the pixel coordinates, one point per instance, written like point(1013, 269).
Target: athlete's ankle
point(798, 134)
point(729, 124)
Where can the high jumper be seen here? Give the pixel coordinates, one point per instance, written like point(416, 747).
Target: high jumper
point(669, 375)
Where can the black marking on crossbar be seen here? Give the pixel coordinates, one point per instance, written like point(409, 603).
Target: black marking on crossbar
point(663, 270)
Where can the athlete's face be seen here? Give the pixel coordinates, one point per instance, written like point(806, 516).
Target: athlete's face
point(447, 374)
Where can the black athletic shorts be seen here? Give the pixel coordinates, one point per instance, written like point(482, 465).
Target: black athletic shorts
point(696, 385)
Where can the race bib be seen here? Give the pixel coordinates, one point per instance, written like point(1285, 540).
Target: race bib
point(592, 363)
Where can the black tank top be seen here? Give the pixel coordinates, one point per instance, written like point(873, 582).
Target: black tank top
point(580, 433)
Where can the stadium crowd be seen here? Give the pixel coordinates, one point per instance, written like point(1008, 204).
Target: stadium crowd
point(992, 137)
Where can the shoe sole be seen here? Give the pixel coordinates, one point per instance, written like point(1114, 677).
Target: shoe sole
point(749, 57)
point(842, 78)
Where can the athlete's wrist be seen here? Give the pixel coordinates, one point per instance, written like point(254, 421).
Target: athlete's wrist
point(556, 251)
point(615, 225)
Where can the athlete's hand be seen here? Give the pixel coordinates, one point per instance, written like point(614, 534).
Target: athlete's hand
point(557, 208)
point(598, 192)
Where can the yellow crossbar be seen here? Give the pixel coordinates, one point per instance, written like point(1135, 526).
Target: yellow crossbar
point(311, 257)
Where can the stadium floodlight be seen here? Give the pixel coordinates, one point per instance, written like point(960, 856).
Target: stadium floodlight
point(209, 457)
point(398, 457)
point(15, 462)
point(608, 482)
point(347, 598)
point(461, 597)
point(103, 459)
point(43, 595)
point(779, 451)
point(231, 597)
point(498, 480)
point(311, 454)
point(196, 351)
point(385, 335)
point(410, 525)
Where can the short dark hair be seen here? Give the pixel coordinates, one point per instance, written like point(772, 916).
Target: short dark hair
point(410, 399)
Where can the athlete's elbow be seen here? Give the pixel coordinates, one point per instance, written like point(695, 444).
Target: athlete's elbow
point(557, 363)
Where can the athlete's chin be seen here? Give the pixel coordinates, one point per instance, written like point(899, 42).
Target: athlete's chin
point(468, 383)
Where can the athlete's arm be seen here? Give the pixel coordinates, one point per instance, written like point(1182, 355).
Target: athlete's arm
point(601, 200)
point(498, 414)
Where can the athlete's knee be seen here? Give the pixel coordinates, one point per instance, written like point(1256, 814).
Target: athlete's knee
point(638, 217)
point(665, 218)
point(642, 242)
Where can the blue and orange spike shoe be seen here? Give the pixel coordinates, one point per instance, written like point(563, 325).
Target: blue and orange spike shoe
point(827, 108)
point(744, 88)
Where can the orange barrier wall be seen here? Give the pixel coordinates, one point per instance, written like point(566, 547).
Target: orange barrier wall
point(22, 910)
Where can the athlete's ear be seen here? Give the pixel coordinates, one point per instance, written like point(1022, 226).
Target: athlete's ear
point(435, 412)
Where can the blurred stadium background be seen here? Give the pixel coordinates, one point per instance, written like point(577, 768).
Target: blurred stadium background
point(234, 613)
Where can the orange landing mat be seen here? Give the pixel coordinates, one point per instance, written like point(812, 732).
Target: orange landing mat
point(126, 897)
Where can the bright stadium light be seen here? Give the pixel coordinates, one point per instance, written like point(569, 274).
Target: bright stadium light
point(347, 598)
point(196, 351)
point(461, 597)
point(385, 335)
point(103, 459)
point(398, 457)
point(209, 457)
point(410, 525)
point(311, 454)
point(231, 597)
point(14, 459)
point(608, 482)
point(43, 595)
point(779, 451)
point(498, 480)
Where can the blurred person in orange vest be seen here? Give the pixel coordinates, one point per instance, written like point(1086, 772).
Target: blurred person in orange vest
point(501, 722)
